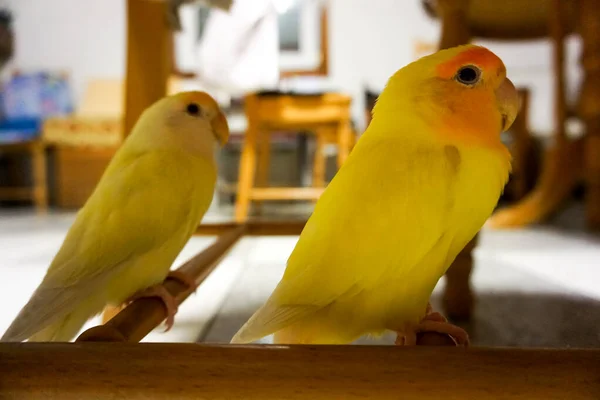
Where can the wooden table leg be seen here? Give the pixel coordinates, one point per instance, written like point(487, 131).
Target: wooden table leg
point(263, 165)
point(455, 29)
point(344, 142)
point(458, 295)
point(40, 181)
point(589, 105)
point(149, 57)
point(562, 164)
point(247, 170)
point(319, 164)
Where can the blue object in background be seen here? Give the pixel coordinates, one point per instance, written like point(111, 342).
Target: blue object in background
point(21, 97)
point(27, 100)
point(55, 96)
point(18, 130)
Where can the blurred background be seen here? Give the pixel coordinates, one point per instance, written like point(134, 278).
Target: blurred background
point(302, 76)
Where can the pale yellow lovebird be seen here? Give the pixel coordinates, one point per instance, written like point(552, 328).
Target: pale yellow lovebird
point(148, 203)
point(418, 186)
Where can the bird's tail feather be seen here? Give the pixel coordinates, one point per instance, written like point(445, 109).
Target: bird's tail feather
point(63, 330)
point(269, 319)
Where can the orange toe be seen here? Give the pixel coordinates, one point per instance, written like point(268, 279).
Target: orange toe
point(166, 297)
point(459, 335)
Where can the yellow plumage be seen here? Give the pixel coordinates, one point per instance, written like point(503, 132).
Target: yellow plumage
point(144, 209)
point(407, 200)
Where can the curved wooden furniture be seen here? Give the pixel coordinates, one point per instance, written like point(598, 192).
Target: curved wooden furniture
point(517, 20)
point(566, 162)
point(589, 104)
point(327, 115)
point(503, 20)
point(562, 166)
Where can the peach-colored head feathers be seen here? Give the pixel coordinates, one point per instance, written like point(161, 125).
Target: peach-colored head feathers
point(208, 103)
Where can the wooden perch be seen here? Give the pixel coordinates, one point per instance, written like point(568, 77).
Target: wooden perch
point(256, 228)
point(138, 319)
point(193, 371)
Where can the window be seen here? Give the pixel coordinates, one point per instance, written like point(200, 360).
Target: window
point(299, 33)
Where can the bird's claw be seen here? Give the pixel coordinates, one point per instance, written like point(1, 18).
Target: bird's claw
point(433, 322)
point(166, 297)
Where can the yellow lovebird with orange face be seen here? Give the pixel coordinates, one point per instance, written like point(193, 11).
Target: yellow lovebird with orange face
point(418, 186)
point(148, 203)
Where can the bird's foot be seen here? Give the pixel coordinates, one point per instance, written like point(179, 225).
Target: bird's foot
point(183, 278)
point(166, 297)
point(436, 323)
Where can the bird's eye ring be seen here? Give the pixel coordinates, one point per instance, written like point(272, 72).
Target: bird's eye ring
point(193, 109)
point(468, 75)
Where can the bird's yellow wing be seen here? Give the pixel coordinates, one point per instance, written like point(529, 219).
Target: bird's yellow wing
point(386, 209)
point(121, 221)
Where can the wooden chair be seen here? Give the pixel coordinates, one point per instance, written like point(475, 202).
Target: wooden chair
point(38, 191)
point(326, 115)
point(463, 20)
point(566, 162)
point(525, 158)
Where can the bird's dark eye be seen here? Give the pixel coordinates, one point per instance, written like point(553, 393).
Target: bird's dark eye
point(468, 75)
point(193, 109)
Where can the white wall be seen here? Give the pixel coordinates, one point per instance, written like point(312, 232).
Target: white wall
point(369, 40)
point(84, 37)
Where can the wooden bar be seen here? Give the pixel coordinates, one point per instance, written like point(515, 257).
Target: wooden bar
point(140, 317)
point(16, 193)
point(255, 228)
point(192, 371)
point(285, 193)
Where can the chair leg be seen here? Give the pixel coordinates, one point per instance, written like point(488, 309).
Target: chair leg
point(318, 178)
point(246, 174)
point(344, 137)
point(263, 165)
point(588, 108)
point(40, 183)
point(455, 29)
point(458, 295)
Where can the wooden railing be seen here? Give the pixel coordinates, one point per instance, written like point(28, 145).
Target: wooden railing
point(194, 371)
point(90, 369)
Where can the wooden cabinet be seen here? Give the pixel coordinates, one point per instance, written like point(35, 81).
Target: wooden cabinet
point(77, 172)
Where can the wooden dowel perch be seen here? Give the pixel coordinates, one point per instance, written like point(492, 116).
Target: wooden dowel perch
point(140, 317)
point(255, 228)
point(193, 371)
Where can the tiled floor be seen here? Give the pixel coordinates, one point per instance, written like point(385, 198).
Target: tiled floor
point(535, 287)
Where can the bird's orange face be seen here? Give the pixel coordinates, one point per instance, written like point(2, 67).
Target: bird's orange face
point(202, 105)
point(473, 97)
